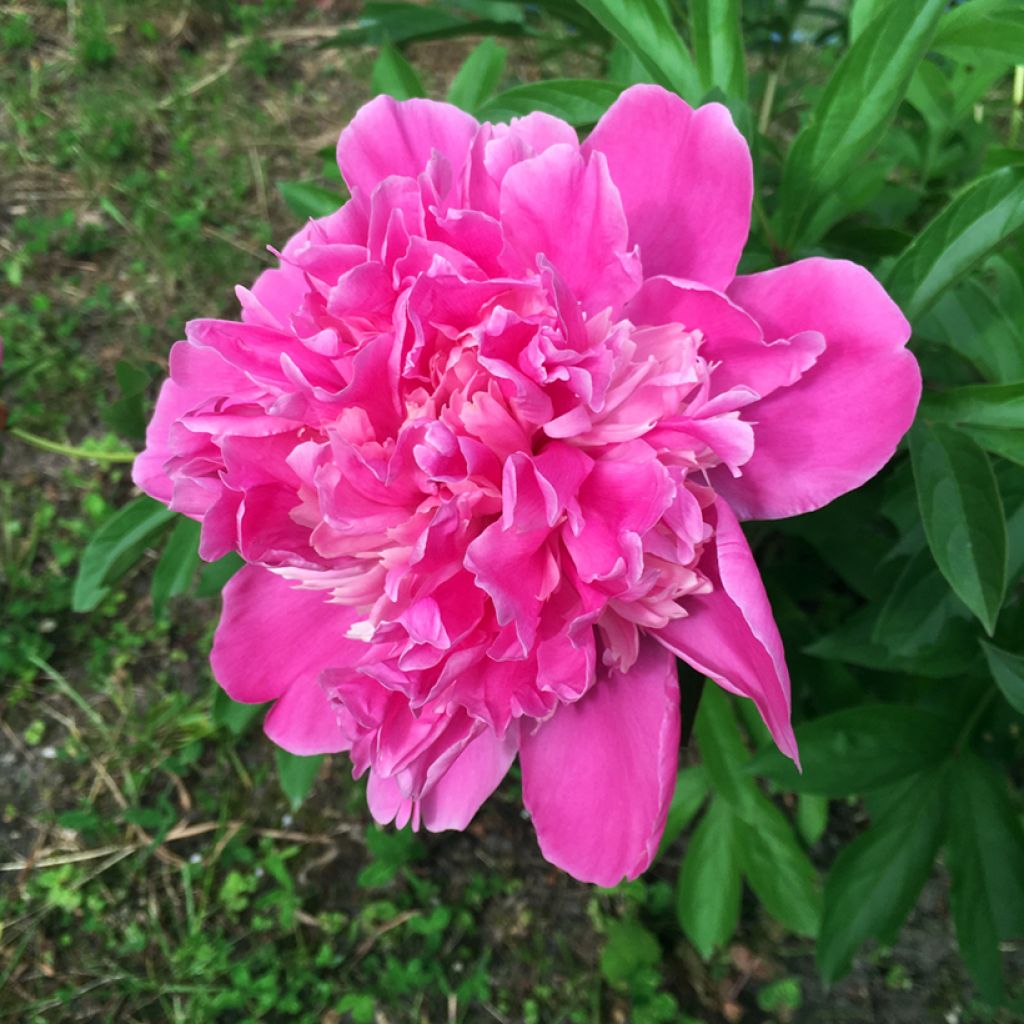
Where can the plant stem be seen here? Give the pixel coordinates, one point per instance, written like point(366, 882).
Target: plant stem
point(980, 708)
point(46, 445)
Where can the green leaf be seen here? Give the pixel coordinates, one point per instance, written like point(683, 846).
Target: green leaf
point(406, 22)
point(479, 75)
point(966, 230)
point(860, 748)
point(580, 101)
point(985, 856)
point(232, 715)
point(778, 870)
point(115, 548)
point(811, 816)
point(854, 111)
point(297, 775)
point(979, 405)
point(214, 575)
point(963, 516)
point(724, 753)
point(876, 879)
point(307, 200)
point(983, 30)
point(644, 26)
point(1008, 672)
point(1007, 444)
point(709, 886)
point(393, 75)
point(629, 948)
point(861, 13)
point(177, 565)
point(717, 38)
point(691, 791)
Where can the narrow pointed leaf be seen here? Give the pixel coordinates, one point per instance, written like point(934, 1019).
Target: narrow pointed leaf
point(778, 870)
point(479, 75)
point(307, 200)
point(717, 37)
point(1008, 672)
point(979, 405)
point(115, 548)
point(645, 27)
point(177, 566)
point(708, 891)
point(394, 76)
point(963, 516)
point(854, 111)
point(297, 774)
point(985, 856)
point(966, 230)
point(580, 101)
point(876, 879)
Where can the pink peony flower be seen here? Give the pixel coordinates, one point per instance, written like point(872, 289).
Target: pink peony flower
point(483, 439)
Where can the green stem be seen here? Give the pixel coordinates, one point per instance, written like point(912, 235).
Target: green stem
point(66, 449)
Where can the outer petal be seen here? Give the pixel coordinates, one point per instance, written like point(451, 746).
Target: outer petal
point(686, 181)
point(387, 138)
point(598, 775)
point(273, 641)
point(472, 777)
point(841, 422)
point(730, 633)
point(148, 473)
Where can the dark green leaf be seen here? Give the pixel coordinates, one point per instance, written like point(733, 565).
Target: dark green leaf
point(231, 715)
point(969, 227)
point(979, 405)
point(708, 891)
point(213, 576)
point(778, 870)
point(177, 565)
point(983, 30)
point(717, 38)
point(297, 775)
point(579, 101)
point(629, 948)
point(478, 77)
point(875, 880)
point(307, 200)
point(1008, 671)
point(811, 816)
point(963, 516)
point(986, 866)
point(393, 75)
point(854, 111)
point(724, 753)
point(644, 26)
point(407, 22)
point(115, 548)
point(689, 795)
point(860, 748)
point(1007, 444)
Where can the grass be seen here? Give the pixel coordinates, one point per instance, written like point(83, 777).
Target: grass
point(151, 867)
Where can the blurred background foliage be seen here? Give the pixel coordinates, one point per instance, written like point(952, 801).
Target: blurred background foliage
point(160, 862)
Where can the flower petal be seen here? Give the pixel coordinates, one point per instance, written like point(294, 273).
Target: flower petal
point(732, 339)
point(730, 634)
point(469, 781)
point(839, 424)
point(387, 137)
point(686, 181)
point(598, 775)
point(566, 208)
point(273, 641)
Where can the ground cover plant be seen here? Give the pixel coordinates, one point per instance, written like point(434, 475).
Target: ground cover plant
point(160, 861)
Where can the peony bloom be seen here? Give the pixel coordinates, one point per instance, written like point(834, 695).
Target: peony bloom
point(484, 438)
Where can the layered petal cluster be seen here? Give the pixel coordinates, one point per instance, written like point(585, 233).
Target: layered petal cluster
point(483, 438)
